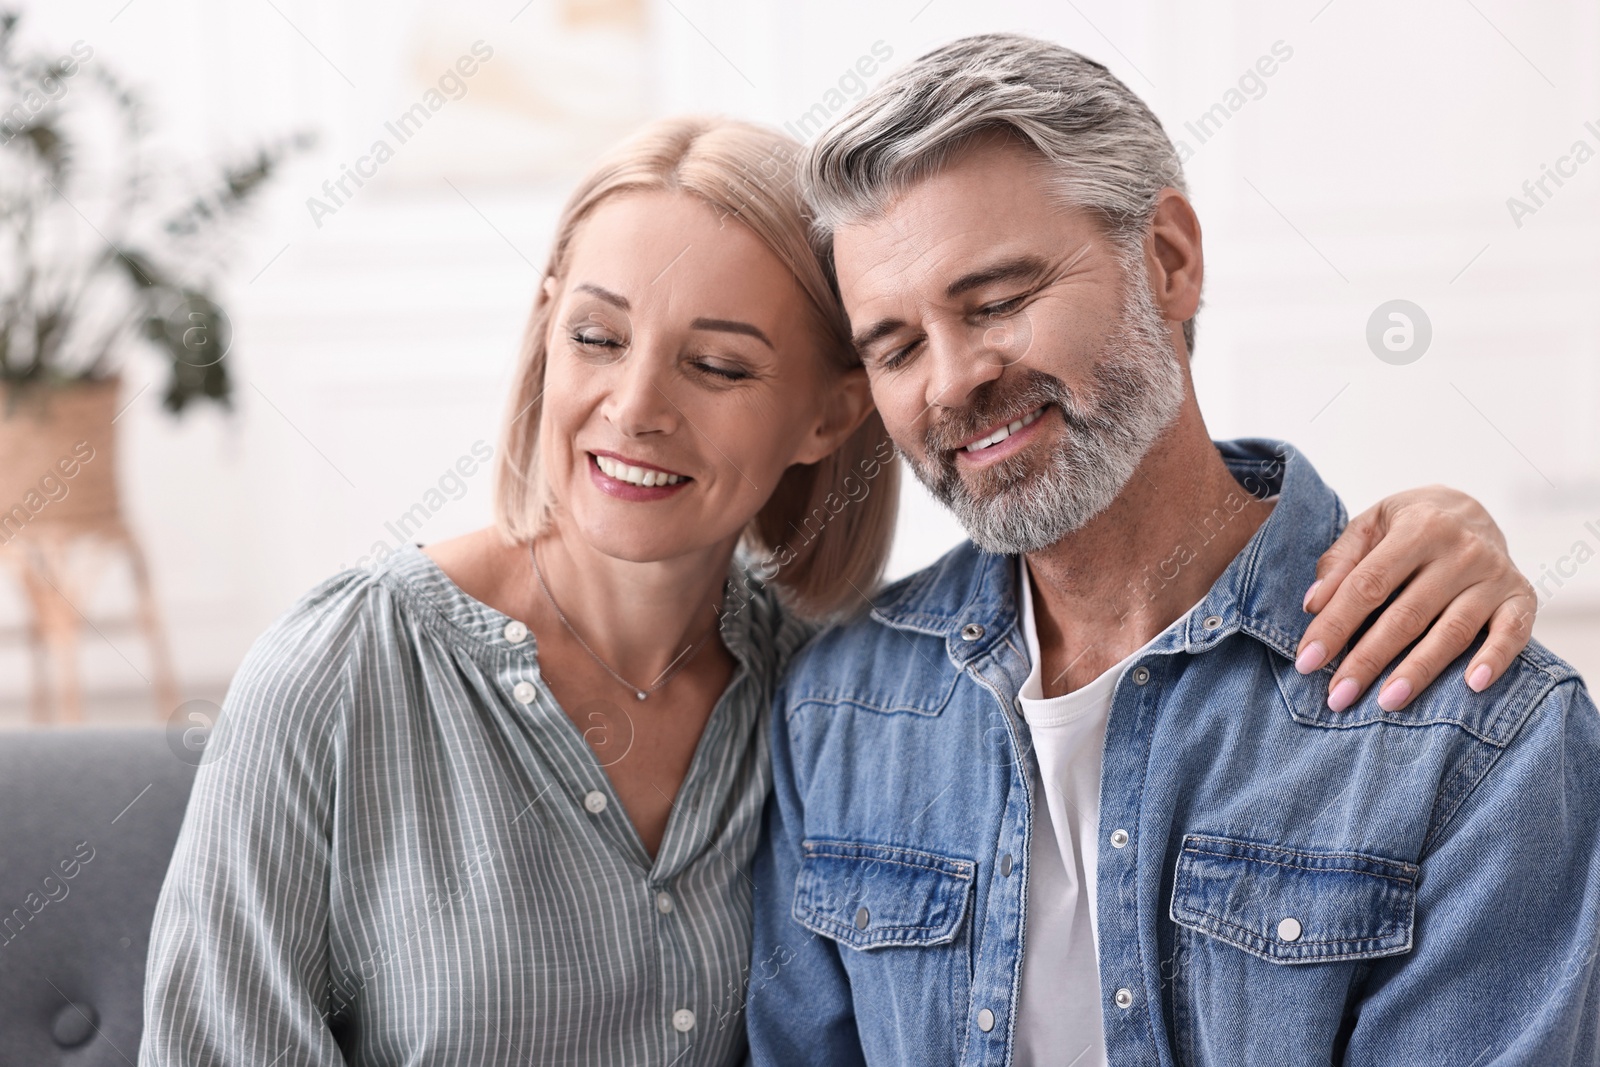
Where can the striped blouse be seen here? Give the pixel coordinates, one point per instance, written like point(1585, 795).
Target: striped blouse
point(401, 850)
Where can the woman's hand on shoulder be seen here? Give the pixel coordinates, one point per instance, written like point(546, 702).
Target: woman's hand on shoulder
point(1443, 559)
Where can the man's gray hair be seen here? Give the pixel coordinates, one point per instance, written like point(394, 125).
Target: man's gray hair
point(1110, 152)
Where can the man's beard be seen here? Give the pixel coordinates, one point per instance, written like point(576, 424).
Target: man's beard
point(1024, 503)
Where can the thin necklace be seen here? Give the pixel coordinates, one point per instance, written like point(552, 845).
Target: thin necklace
point(639, 694)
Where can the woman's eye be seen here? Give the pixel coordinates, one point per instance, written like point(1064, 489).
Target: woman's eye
point(727, 373)
point(593, 340)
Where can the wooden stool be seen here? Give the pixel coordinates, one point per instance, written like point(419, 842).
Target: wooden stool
point(59, 564)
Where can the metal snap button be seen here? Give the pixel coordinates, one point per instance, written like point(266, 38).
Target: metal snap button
point(515, 632)
point(1005, 865)
point(863, 916)
point(971, 632)
point(1119, 838)
point(1123, 998)
point(1289, 929)
point(1141, 675)
point(986, 1020)
point(1211, 622)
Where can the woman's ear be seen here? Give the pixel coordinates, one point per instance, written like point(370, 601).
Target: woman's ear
point(548, 289)
point(847, 403)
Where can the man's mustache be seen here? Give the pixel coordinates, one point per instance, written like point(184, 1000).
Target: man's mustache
point(995, 402)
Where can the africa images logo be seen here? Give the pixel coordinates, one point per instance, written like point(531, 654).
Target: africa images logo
point(451, 85)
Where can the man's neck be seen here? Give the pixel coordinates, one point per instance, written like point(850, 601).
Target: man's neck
point(1106, 589)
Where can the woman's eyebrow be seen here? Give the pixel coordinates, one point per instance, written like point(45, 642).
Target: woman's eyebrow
point(604, 294)
point(719, 325)
point(732, 326)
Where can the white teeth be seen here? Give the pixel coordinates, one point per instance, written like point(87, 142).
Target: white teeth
point(1004, 432)
point(622, 472)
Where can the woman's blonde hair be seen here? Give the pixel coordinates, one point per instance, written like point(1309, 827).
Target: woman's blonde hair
point(823, 537)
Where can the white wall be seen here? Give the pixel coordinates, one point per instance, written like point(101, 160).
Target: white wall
point(372, 351)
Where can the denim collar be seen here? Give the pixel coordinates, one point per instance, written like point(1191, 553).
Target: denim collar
point(970, 596)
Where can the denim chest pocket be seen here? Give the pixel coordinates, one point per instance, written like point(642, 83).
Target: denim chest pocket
point(909, 689)
point(868, 896)
point(1294, 906)
point(892, 687)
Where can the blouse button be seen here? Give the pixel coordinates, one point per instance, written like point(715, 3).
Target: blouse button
point(594, 802)
point(683, 1020)
point(523, 691)
point(516, 632)
point(663, 900)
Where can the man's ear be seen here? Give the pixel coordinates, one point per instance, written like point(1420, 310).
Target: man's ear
point(1173, 257)
point(848, 403)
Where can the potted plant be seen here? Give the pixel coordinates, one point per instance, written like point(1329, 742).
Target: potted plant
point(96, 261)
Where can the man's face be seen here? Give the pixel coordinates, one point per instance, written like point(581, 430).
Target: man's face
point(1013, 348)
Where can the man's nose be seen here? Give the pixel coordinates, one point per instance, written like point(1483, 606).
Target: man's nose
point(962, 359)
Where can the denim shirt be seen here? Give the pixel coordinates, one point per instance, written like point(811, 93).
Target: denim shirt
point(1278, 883)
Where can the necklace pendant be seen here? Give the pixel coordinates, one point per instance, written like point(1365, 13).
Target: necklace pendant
point(640, 694)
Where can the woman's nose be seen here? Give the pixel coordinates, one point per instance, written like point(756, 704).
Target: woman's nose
point(637, 401)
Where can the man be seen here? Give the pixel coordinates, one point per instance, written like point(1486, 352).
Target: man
point(1064, 797)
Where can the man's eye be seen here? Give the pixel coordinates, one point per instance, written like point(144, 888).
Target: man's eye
point(1001, 307)
point(897, 357)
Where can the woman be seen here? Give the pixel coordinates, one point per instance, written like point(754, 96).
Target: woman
point(496, 802)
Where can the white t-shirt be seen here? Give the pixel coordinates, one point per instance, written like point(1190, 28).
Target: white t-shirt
point(1058, 1010)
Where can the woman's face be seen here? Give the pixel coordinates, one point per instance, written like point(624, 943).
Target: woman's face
point(683, 377)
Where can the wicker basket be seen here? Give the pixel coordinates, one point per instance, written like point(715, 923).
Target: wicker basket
point(46, 433)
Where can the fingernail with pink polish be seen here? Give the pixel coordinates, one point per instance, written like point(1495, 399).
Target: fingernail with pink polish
point(1305, 601)
point(1478, 680)
point(1310, 658)
point(1343, 695)
point(1394, 694)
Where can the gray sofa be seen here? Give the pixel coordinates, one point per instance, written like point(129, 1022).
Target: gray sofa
point(88, 819)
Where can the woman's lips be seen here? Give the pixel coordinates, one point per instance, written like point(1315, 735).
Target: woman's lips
point(635, 471)
point(623, 489)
